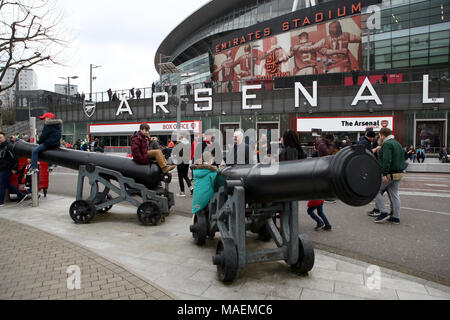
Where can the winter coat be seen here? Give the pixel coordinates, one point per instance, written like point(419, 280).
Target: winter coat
point(8, 161)
point(154, 145)
point(289, 154)
point(391, 157)
point(366, 143)
point(235, 150)
point(419, 153)
point(139, 148)
point(206, 180)
point(98, 147)
point(315, 203)
point(324, 149)
point(51, 134)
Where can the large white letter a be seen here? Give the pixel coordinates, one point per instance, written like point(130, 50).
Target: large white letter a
point(373, 94)
point(123, 109)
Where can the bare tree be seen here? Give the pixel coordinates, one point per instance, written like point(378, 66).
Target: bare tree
point(29, 36)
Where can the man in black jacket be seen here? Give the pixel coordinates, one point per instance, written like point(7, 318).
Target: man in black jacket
point(98, 146)
point(367, 140)
point(50, 138)
point(240, 151)
point(8, 165)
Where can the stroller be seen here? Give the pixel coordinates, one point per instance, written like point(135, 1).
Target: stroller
point(23, 182)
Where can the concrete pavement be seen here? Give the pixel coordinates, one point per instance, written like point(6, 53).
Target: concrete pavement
point(166, 256)
point(419, 246)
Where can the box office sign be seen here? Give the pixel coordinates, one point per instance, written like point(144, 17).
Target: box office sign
point(344, 124)
point(160, 127)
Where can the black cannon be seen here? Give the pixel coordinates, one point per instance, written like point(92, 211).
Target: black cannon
point(131, 180)
point(264, 199)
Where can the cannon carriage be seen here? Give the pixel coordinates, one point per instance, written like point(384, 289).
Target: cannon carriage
point(264, 199)
point(112, 180)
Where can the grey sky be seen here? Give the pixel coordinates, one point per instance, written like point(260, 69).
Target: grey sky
point(120, 36)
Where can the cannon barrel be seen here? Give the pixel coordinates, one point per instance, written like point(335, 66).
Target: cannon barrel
point(148, 175)
point(353, 176)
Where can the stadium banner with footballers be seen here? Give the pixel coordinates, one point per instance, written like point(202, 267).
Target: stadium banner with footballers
point(332, 47)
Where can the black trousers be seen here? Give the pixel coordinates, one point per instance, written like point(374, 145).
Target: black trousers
point(183, 170)
point(421, 157)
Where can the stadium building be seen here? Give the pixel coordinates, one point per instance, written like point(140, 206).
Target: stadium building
point(333, 66)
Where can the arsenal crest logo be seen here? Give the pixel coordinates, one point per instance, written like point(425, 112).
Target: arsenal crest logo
point(89, 108)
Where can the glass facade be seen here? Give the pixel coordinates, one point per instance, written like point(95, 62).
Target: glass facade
point(414, 33)
point(243, 17)
point(198, 66)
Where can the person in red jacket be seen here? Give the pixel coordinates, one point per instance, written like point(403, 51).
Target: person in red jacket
point(141, 153)
point(322, 222)
point(325, 147)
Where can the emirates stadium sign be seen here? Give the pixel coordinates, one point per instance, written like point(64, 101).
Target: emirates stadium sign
point(322, 39)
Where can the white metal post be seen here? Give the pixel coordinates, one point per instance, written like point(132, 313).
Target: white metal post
point(34, 177)
point(179, 106)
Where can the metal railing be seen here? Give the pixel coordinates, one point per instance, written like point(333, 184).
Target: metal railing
point(440, 76)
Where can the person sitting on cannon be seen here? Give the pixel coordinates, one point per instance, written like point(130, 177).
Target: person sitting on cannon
point(50, 138)
point(141, 152)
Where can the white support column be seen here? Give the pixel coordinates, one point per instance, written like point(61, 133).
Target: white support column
point(34, 177)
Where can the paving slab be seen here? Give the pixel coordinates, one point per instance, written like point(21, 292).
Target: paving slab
point(45, 262)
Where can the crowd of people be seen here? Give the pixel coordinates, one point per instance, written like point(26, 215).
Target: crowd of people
point(203, 159)
point(94, 145)
point(203, 162)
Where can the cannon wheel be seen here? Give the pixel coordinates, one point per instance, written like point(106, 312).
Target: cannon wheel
point(82, 211)
point(149, 214)
point(200, 229)
point(226, 260)
point(306, 258)
point(105, 210)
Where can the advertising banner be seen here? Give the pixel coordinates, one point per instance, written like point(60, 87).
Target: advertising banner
point(332, 47)
point(345, 124)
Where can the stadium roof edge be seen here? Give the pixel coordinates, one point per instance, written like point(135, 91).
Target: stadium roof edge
point(201, 17)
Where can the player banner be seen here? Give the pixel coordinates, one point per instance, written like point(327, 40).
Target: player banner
point(331, 47)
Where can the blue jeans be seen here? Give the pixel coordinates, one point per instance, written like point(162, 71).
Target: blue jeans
point(5, 183)
point(35, 155)
point(321, 214)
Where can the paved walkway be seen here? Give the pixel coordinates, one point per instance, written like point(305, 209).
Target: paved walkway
point(167, 256)
point(34, 264)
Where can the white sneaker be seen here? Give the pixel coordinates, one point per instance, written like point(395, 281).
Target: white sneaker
point(181, 195)
point(2, 205)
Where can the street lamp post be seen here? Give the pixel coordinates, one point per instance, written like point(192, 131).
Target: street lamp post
point(170, 68)
point(91, 78)
point(68, 84)
point(181, 76)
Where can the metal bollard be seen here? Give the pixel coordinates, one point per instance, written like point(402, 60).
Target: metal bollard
point(34, 177)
